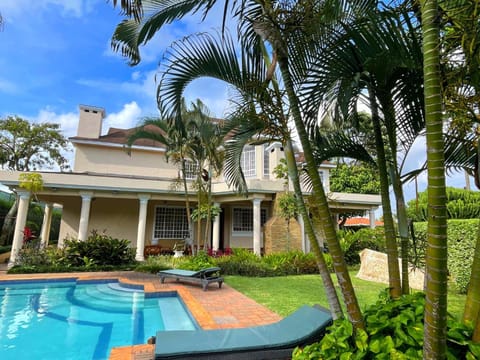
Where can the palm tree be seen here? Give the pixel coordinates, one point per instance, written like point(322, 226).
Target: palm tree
point(128, 37)
point(206, 140)
point(357, 57)
point(435, 334)
point(217, 58)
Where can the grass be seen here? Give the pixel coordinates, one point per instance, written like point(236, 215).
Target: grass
point(285, 294)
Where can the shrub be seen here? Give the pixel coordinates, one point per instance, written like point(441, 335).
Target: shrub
point(99, 249)
point(32, 255)
point(462, 237)
point(394, 330)
point(365, 238)
point(241, 262)
point(5, 249)
point(461, 204)
point(154, 264)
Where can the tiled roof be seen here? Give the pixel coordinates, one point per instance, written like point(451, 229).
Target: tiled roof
point(120, 136)
point(361, 221)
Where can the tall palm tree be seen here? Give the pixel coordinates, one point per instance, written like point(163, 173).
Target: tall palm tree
point(256, 19)
point(435, 334)
point(206, 141)
point(174, 137)
point(380, 53)
point(259, 117)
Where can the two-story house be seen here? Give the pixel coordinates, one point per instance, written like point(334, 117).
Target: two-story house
point(130, 196)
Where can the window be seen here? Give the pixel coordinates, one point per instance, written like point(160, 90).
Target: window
point(247, 161)
point(243, 219)
point(191, 169)
point(266, 161)
point(170, 223)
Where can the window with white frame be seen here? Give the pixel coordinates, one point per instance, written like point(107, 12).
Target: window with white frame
point(266, 161)
point(247, 161)
point(170, 223)
point(191, 170)
point(243, 220)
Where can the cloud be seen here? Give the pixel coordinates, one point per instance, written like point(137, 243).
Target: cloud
point(68, 121)
point(126, 118)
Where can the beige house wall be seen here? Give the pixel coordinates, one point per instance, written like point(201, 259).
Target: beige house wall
point(70, 218)
point(114, 160)
point(117, 217)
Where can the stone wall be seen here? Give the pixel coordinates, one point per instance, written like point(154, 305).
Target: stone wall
point(374, 267)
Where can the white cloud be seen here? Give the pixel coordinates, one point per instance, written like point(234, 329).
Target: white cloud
point(68, 121)
point(126, 118)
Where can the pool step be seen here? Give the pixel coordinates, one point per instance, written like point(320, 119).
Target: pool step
point(105, 298)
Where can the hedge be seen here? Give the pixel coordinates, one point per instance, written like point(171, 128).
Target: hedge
point(462, 237)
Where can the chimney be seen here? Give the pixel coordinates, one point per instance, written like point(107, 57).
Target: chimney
point(90, 121)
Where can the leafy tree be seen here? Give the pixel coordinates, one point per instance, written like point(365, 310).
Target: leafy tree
point(354, 178)
point(26, 146)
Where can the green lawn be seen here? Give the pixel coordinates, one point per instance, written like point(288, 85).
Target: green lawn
point(286, 293)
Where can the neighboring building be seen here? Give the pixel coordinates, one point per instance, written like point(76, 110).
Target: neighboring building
point(131, 195)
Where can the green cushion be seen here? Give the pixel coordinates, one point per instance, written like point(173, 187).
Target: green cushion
point(305, 325)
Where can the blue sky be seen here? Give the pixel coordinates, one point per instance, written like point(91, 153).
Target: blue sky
point(56, 55)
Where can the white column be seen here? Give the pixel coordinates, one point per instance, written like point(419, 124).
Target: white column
point(371, 215)
point(84, 215)
point(22, 212)
point(257, 226)
point(142, 222)
point(305, 242)
point(46, 225)
point(216, 231)
point(336, 218)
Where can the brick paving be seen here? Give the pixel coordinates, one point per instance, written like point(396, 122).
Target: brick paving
point(212, 309)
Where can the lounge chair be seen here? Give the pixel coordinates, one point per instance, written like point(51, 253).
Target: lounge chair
point(275, 341)
point(204, 276)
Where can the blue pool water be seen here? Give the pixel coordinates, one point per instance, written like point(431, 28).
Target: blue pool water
point(72, 320)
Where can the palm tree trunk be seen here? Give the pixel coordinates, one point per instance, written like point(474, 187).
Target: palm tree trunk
point(390, 237)
point(402, 229)
point(332, 296)
point(435, 330)
point(9, 223)
point(389, 115)
point(339, 264)
point(187, 204)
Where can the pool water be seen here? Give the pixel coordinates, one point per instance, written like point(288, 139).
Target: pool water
point(76, 320)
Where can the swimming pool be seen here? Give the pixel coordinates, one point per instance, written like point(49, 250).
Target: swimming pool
point(82, 320)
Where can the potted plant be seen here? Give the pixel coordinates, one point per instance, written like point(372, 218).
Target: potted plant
point(178, 249)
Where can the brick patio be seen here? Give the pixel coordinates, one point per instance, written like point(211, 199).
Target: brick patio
point(212, 309)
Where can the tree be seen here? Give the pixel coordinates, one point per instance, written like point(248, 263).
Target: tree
point(26, 146)
point(258, 119)
point(278, 25)
point(374, 59)
point(435, 333)
point(192, 139)
point(354, 178)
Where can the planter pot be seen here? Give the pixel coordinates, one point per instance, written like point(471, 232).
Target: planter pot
point(177, 253)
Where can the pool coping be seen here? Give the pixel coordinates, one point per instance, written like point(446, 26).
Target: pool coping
point(211, 309)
